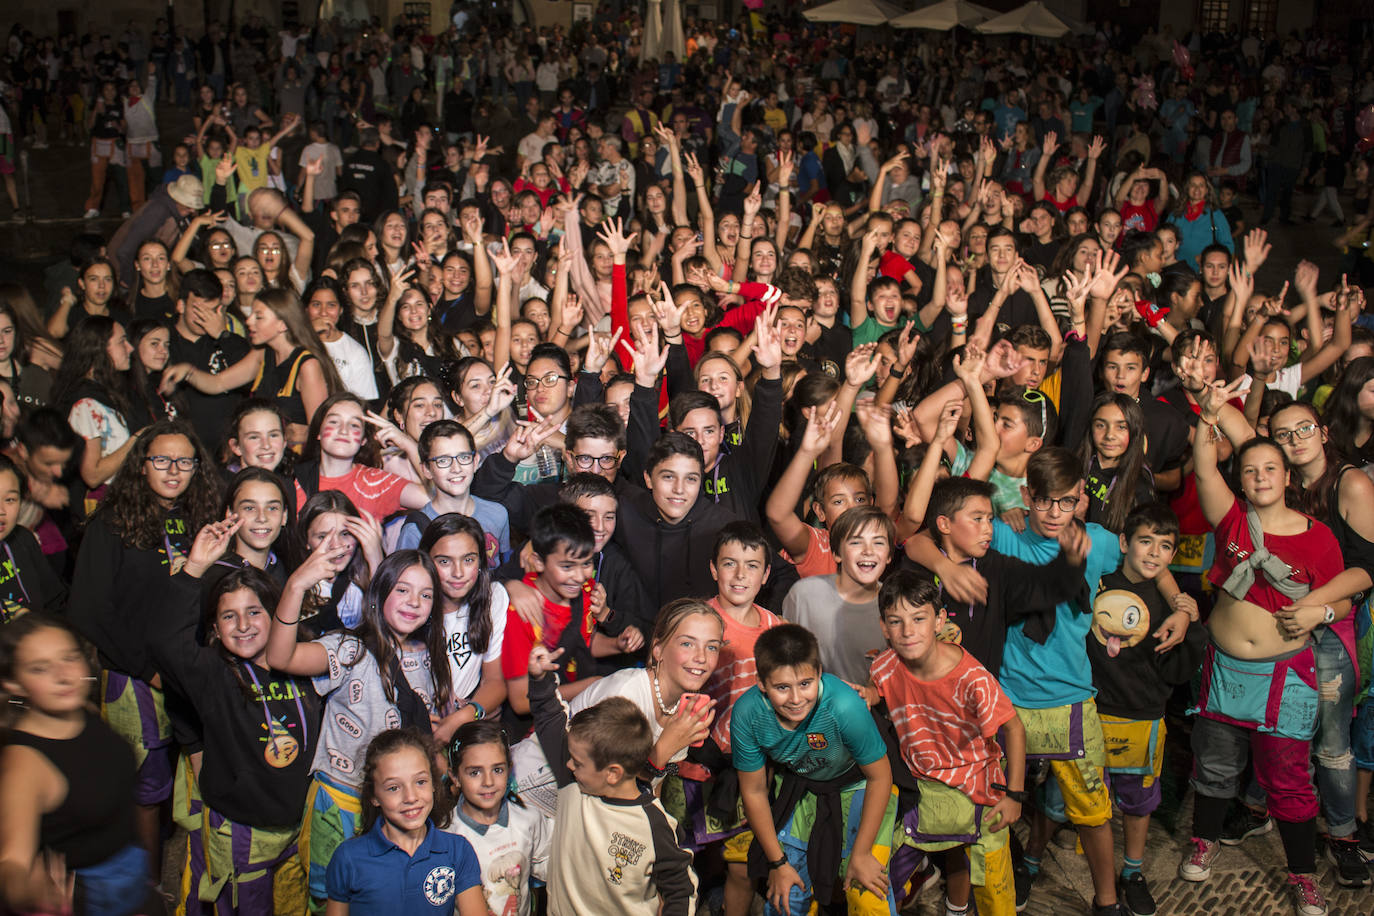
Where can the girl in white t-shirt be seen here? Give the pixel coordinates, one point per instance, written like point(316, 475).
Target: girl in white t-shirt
point(474, 620)
point(511, 840)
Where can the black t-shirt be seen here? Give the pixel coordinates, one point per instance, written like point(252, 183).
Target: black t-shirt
point(1134, 681)
point(209, 413)
point(160, 308)
point(1166, 435)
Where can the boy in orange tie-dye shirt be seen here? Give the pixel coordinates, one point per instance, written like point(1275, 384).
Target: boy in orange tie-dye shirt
point(948, 710)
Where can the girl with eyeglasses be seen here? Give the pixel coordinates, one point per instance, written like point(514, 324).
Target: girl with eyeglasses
point(163, 493)
point(279, 272)
point(1329, 488)
point(217, 247)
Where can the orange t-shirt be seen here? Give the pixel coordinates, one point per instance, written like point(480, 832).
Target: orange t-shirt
point(947, 729)
point(735, 669)
point(818, 559)
point(370, 489)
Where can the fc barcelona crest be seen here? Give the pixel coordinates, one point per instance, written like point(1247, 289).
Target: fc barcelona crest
point(817, 741)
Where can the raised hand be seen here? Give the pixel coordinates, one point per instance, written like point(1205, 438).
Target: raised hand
point(542, 661)
point(1108, 272)
point(753, 201)
point(528, 437)
point(820, 427)
point(599, 348)
point(649, 359)
point(504, 261)
point(1305, 280)
point(767, 347)
point(1255, 249)
point(612, 232)
point(1003, 361)
point(948, 423)
point(861, 365)
point(786, 165)
point(1097, 147)
point(315, 167)
point(1050, 143)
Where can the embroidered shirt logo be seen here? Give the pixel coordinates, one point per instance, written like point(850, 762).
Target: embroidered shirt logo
point(816, 740)
point(440, 884)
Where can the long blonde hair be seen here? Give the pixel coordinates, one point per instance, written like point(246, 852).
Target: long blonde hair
point(286, 305)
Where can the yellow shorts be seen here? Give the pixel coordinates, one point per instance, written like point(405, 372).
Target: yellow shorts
point(1071, 738)
point(736, 848)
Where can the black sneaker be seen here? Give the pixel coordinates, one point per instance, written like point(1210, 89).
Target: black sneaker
point(1111, 909)
point(1135, 895)
point(1365, 831)
point(1244, 823)
point(1351, 868)
point(1022, 878)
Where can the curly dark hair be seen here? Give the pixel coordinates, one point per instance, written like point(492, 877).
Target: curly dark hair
point(87, 356)
point(135, 513)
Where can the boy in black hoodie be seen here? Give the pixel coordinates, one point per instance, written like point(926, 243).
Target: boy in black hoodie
point(668, 532)
point(1134, 678)
point(733, 478)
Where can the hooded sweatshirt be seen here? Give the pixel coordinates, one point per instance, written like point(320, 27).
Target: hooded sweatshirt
point(673, 559)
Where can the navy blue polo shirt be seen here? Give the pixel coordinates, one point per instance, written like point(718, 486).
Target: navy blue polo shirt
point(374, 875)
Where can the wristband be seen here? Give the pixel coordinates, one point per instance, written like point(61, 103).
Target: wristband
point(778, 863)
point(959, 323)
point(1020, 796)
point(481, 710)
point(1330, 617)
point(653, 768)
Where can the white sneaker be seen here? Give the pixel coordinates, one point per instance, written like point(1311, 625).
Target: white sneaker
point(92, 214)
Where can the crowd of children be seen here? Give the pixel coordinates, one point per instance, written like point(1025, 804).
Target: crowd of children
point(594, 531)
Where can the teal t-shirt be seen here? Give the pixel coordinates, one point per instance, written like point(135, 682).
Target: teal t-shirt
point(1006, 491)
point(838, 734)
point(1057, 673)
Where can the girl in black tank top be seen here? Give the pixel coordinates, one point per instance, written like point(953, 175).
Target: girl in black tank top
point(67, 780)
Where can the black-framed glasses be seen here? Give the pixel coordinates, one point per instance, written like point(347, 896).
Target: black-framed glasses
point(605, 462)
point(444, 462)
point(548, 381)
point(1065, 503)
point(165, 462)
point(1285, 436)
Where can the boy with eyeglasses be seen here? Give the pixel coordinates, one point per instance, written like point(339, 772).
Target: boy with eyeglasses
point(448, 460)
point(593, 443)
point(1049, 679)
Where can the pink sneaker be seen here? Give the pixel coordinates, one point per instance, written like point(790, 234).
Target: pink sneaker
point(1198, 866)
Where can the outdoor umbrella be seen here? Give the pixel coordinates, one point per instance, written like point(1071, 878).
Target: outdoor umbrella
point(943, 16)
point(1032, 19)
point(653, 31)
point(858, 12)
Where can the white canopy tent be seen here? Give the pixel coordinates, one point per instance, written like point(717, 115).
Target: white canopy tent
point(856, 12)
point(1034, 19)
point(943, 16)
